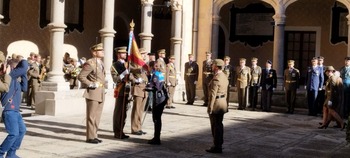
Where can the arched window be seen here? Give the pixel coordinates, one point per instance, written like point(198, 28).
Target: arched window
point(73, 14)
point(5, 11)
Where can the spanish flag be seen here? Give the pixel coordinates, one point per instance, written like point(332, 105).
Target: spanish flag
point(134, 56)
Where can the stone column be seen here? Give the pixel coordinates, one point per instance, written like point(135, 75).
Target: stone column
point(57, 26)
point(146, 24)
point(107, 36)
point(215, 36)
point(176, 31)
point(278, 47)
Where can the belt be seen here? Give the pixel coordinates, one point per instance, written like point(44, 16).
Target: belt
point(207, 73)
point(172, 76)
point(188, 74)
point(220, 96)
point(290, 81)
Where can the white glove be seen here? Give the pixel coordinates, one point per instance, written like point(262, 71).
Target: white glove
point(260, 88)
point(94, 85)
point(320, 89)
point(273, 89)
point(169, 84)
point(122, 75)
point(195, 82)
point(305, 87)
point(329, 103)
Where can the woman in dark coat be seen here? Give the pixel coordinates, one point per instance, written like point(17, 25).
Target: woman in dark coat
point(160, 97)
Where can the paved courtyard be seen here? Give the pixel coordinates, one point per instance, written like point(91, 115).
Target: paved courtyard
point(186, 133)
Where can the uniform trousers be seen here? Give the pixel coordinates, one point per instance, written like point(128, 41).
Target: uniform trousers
point(136, 113)
point(119, 115)
point(190, 91)
point(157, 112)
point(253, 96)
point(33, 87)
point(93, 117)
point(311, 100)
point(217, 129)
point(346, 105)
point(16, 129)
point(320, 101)
point(205, 85)
point(266, 98)
point(290, 97)
point(242, 98)
point(171, 90)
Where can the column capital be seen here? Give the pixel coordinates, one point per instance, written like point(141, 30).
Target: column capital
point(147, 2)
point(280, 19)
point(176, 40)
point(176, 5)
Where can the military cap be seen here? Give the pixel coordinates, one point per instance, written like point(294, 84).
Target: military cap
point(190, 55)
point(219, 62)
point(254, 59)
point(269, 61)
point(291, 61)
point(32, 53)
point(242, 59)
point(121, 49)
point(314, 58)
point(172, 57)
point(151, 54)
point(142, 50)
point(97, 47)
point(2, 56)
point(227, 57)
point(208, 53)
point(330, 68)
point(161, 51)
point(320, 58)
point(347, 58)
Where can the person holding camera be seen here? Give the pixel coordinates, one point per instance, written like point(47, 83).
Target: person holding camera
point(93, 75)
point(13, 82)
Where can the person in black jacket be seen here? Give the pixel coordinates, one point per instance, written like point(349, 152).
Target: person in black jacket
point(268, 85)
point(160, 98)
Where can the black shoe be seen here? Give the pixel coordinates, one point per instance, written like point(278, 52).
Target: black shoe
point(205, 104)
point(323, 127)
point(188, 103)
point(121, 137)
point(137, 133)
point(154, 142)
point(214, 150)
point(173, 107)
point(92, 141)
point(99, 140)
point(168, 107)
point(344, 125)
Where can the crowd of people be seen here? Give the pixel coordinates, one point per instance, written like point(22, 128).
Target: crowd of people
point(151, 87)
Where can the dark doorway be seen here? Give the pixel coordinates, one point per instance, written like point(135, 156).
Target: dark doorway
point(221, 44)
point(301, 47)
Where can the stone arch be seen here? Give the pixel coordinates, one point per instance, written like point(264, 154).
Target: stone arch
point(345, 2)
point(22, 47)
point(72, 50)
point(226, 32)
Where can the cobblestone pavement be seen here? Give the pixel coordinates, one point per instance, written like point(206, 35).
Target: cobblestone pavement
point(186, 133)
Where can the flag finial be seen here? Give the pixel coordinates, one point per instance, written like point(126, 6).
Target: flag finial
point(132, 25)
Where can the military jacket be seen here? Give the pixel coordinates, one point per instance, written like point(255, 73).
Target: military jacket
point(229, 72)
point(314, 78)
point(162, 65)
point(170, 76)
point(256, 76)
point(334, 92)
point(138, 88)
point(117, 69)
point(243, 77)
point(217, 94)
point(207, 71)
point(191, 72)
point(268, 79)
point(291, 79)
point(93, 72)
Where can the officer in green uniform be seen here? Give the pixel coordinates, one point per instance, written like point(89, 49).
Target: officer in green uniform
point(291, 84)
point(207, 76)
point(242, 78)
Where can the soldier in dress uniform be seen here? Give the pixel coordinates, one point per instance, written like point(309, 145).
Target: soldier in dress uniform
point(254, 83)
point(229, 71)
point(242, 79)
point(268, 85)
point(161, 62)
point(345, 75)
point(314, 83)
point(171, 81)
point(191, 78)
point(139, 80)
point(217, 105)
point(74, 72)
point(120, 73)
point(93, 75)
point(35, 80)
point(291, 84)
point(207, 76)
